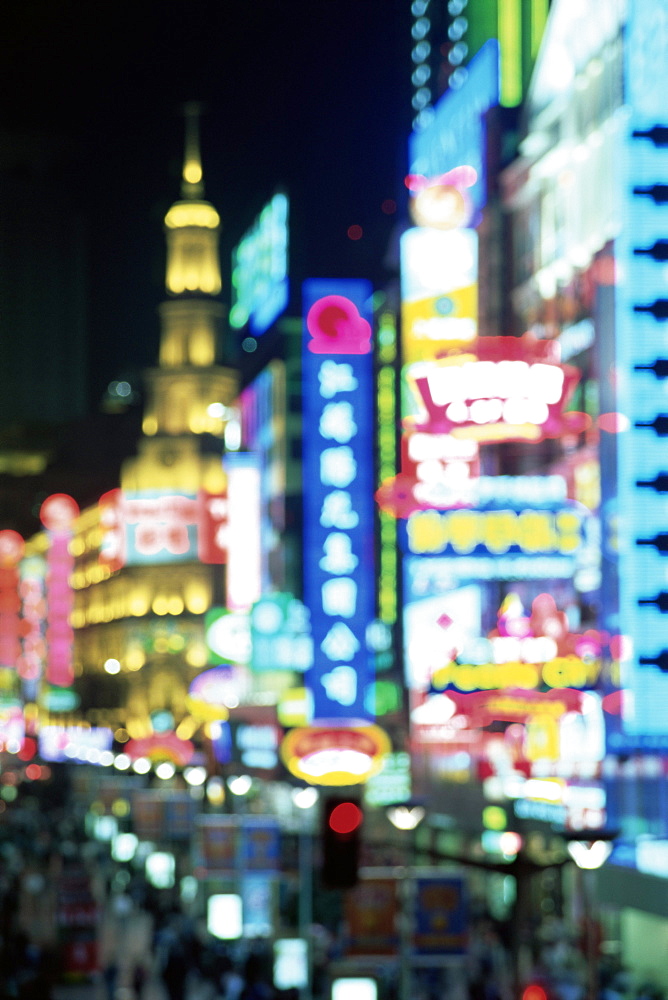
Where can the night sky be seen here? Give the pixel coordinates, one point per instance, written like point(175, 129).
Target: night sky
point(310, 96)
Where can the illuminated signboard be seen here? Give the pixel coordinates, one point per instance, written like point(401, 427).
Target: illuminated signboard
point(495, 532)
point(11, 550)
point(157, 527)
point(30, 664)
point(503, 389)
point(260, 269)
point(526, 651)
point(348, 755)
point(456, 133)
point(386, 409)
point(263, 406)
point(338, 429)
point(439, 290)
point(228, 635)
point(244, 545)
point(439, 472)
point(57, 514)
point(640, 341)
point(280, 634)
point(74, 743)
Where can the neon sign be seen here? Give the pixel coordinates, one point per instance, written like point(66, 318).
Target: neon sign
point(495, 532)
point(12, 547)
point(260, 269)
point(640, 340)
point(57, 514)
point(335, 756)
point(439, 290)
point(504, 389)
point(30, 664)
point(339, 572)
point(244, 547)
point(456, 134)
point(156, 527)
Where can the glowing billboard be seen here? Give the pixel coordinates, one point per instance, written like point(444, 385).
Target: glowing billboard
point(151, 527)
point(57, 514)
point(439, 290)
point(244, 547)
point(263, 406)
point(12, 547)
point(338, 428)
point(501, 389)
point(456, 133)
point(640, 346)
point(260, 269)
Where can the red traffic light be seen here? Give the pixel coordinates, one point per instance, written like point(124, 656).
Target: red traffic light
point(345, 818)
point(534, 991)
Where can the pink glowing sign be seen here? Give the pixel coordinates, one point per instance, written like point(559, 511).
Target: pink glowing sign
point(11, 550)
point(502, 389)
point(336, 327)
point(57, 514)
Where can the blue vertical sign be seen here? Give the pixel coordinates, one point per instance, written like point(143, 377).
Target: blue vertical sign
point(641, 350)
point(339, 576)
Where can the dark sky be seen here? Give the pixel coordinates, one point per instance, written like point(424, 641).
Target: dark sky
point(310, 95)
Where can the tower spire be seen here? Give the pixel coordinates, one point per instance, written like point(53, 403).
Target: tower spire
point(191, 183)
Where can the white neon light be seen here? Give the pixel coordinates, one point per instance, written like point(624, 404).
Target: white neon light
point(244, 556)
point(496, 380)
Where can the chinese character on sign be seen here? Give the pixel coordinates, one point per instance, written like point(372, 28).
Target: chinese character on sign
point(337, 466)
point(151, 538)
point(338, 558)
point(336, 378)
point(339, 643)
point(337, 511)
point(337, 422)
point(341, 685)
point(339, 597)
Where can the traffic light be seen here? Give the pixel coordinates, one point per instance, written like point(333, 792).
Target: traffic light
point(341, 835)
point(534, 991)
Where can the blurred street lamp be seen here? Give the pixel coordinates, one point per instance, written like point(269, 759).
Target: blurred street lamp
point(405, 817)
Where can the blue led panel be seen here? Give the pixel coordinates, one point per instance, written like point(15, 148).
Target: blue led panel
point(641, 338)
point(456, 135)
point(339, 570)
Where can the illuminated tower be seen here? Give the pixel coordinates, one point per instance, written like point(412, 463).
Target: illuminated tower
point(188, 394)
point(149, 557)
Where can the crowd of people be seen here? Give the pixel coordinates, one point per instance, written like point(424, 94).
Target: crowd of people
point(64, 901)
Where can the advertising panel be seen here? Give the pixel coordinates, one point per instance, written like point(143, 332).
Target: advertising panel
point(155, 527)
point(457, 133)
point(339, 571)
point(640, 344)
point(244, 551)
point(440, 914)
point(260, 269)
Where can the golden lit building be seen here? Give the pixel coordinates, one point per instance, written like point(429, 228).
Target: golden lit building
point(148, 560)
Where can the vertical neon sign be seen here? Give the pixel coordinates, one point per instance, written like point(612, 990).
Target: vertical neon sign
point(57, 514)
point(640, 345)
point(339, 572)
point(11, 550)
point(244, 556)
point(387, 466)
point(30, 664)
